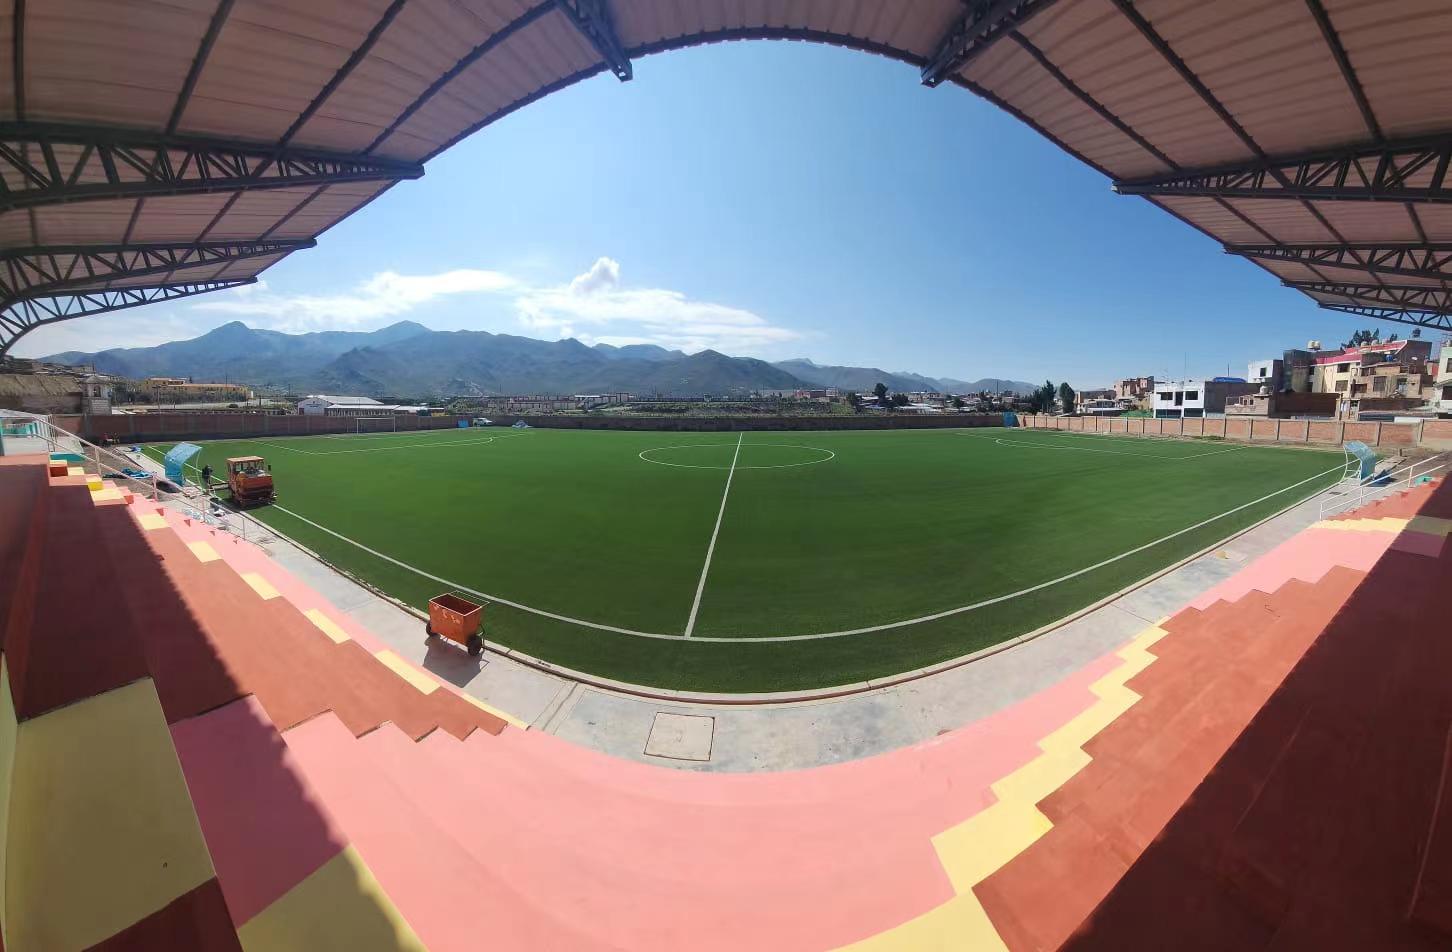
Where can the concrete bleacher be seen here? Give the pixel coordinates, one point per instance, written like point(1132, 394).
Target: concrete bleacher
point(198, 751)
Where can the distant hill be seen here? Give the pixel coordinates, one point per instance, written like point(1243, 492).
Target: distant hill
point(409, 359)
point(236, 352)
point(864, 379)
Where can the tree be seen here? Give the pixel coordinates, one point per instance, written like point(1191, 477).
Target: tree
point(958, 403)
point(899, 399)
point(881, 391)
point(1066, 397)
point(1042, 399)
point(854, 401)
point(1363, 337)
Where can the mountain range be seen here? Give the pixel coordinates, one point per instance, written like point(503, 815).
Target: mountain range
point(408, 359)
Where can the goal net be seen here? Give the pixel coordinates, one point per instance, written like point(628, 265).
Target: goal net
point(376, 424)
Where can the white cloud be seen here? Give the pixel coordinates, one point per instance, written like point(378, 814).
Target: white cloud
point(594, 306)
point(604, 273)
point(386, 294)
point(645, 315)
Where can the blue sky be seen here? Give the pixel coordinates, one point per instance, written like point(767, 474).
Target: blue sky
point(777, 200)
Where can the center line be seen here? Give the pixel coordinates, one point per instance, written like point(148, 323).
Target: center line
point(711, 549)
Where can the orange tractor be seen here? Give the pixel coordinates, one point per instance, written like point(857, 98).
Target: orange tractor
point(249, 480)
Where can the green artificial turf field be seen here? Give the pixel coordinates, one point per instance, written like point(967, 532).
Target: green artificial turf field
point(606, 536)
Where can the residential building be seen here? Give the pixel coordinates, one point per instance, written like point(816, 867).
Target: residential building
point(1100, 406)
point(1442, 384)
point(1188, 399)
point(1298, 368)
point(1267, 373)
point(1282, 404)
point(1134, 389)
point(178, 390)
point(1381, 369)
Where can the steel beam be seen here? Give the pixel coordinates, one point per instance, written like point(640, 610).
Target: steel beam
point(1430, 260)
point(1407, 297)
point(1434, 320)
point(981, 25)
point(60, 269)
point(44, 164)
point(20, 317)
point(592, 18)
point(1392, 171)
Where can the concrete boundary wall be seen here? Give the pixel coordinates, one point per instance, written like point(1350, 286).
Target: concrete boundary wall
point(860, 421)
point(155, 427)
point(1432, 434)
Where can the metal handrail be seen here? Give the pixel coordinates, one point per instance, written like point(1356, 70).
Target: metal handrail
point(1379, 484)
point(106, 461)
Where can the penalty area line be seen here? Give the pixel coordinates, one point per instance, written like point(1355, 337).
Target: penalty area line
point(711, 549)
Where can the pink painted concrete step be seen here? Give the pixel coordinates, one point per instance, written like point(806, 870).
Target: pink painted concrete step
point(265, 829)
point(551, 838)
point(1306, 556)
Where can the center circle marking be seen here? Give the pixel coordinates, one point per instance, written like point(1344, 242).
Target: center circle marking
point(644, 454)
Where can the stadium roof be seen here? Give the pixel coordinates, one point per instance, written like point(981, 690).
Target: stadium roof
point(159, 148)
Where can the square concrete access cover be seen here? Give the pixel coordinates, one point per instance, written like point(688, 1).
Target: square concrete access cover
point(681, 736)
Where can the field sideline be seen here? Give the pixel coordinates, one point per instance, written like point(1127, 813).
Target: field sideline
point(766, 561)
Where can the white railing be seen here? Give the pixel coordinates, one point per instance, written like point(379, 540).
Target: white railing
point(1377, 485)
point(111, 464)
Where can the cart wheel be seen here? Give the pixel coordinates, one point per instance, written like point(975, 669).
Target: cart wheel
point(430, 629)
point(476, 645)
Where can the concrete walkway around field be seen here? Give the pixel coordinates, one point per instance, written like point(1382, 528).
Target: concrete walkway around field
point(736, 737)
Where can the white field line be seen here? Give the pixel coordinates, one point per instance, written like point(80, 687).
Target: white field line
point(907, 622)
point(376, 449)
point(711, 549)
point(685, 446)
point(460, 586)
point(1091, 449)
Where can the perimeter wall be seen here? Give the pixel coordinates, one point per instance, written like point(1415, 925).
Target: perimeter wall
point(144, 427)
point(153, 427)
point(859, 421)
point(1431, 434)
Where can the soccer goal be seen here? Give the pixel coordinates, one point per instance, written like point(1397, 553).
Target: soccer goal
point(376, 424)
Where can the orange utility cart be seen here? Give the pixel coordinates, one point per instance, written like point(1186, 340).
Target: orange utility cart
point(457, 619)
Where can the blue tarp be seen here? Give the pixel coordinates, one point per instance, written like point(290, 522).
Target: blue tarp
point(176, 458)
point(1010, 418)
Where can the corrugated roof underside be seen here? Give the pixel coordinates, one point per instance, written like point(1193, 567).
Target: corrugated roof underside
point(1080, 70)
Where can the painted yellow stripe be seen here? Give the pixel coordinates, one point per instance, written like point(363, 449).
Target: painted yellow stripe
point(107, 494)
point(327, 625)
point(150, 520)
point(1430, 525)
point(491, 709)
point(408, 672)
point(1385, 524)
point(339, 906)
point(958, 925)
point(75, 471)
point(102, 829)
point(203, 551)
point(973, 850)
point(260, 585)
